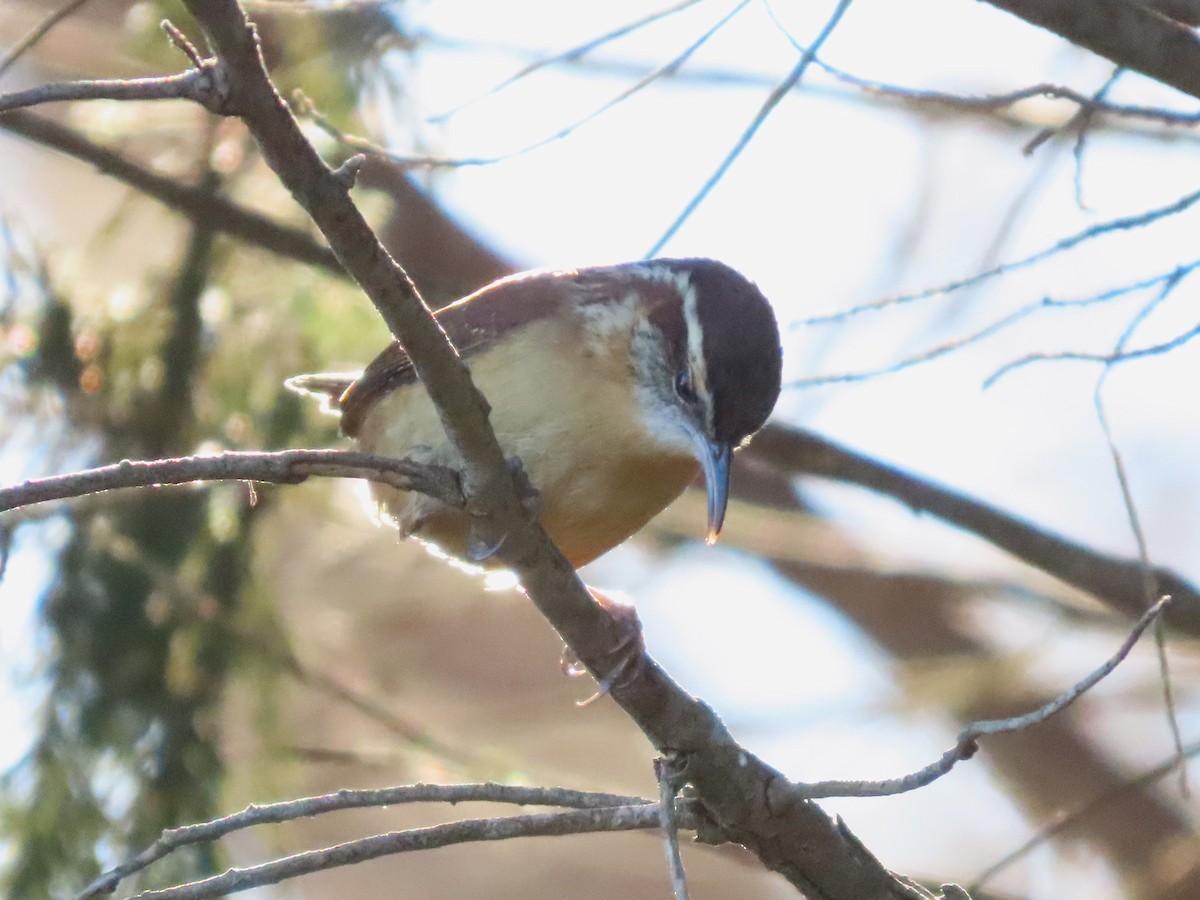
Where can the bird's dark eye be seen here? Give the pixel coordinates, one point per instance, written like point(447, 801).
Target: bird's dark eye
point(683, 386)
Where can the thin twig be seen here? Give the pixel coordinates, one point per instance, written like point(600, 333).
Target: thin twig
point(913, 98)
point(576, 821)
point(993, 328)
point(308, 108)
point(968, 739)
point(990, 102)
point(569, 55)
point(664, 71)
point(781, 90)
point(668, 787)
point(181, 43)
point(420, 161)
point(194, 85)
point(1078, 121)
point(1083, 121)
point(1124, 223)
point(1107, 359)
point(38, 32)
point(282, 467)
point(1149, 583)
point(273, 813)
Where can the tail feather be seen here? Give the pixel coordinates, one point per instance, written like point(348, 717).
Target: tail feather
point(327, 387)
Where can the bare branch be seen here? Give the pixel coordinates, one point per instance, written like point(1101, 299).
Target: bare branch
point(968, 739)
point(990, 102)
point(997, 106)
point(181, 43)
point(781, 90)
point(364, 145)
point(1113, 358)
point(1114, 581)
point(569, 55)
point(1186, 12)
point(748, 801)
point(283, 467)
point(274, 813)
point(408, 161)
point(197, 203)
point(486, 479)
point(194, 84)
point(668, 786)
point(1123, 223)
point(994, 327)
point(1127, 32)
point(579, 821)
point(1078, 122)
point(1135, 523)
point(664, 71)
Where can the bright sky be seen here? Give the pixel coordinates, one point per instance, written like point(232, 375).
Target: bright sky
point(836, 203)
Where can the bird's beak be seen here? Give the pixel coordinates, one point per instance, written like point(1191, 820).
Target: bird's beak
point(715, 457)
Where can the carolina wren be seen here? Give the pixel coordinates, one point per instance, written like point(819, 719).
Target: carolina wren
point(614, 385)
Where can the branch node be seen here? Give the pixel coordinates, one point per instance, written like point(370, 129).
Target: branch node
point(181, 43)
point(347, 172)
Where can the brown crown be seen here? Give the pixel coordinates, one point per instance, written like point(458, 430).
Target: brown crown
point(742, 351)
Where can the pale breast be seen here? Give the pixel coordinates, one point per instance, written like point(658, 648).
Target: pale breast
point(564, 403)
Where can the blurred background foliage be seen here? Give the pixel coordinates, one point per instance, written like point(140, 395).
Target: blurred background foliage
point(158, 338)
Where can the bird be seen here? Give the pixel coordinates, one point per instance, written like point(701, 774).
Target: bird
point(615, 386)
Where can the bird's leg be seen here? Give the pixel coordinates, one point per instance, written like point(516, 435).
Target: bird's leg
point(621, 661)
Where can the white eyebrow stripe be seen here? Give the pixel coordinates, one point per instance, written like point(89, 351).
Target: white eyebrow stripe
point(695, 345)
point(682, 282)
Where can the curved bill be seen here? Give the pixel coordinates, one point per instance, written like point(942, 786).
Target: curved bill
point(715, 457)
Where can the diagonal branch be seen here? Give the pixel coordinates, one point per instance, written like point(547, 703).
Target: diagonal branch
point(566, 56)
point(1118, 583)
point(1127, 32)
point(752, 803)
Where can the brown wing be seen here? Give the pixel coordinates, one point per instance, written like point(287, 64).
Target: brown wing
point(473, 324)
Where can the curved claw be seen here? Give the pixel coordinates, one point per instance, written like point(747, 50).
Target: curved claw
point(623, 659)
point(479, 552)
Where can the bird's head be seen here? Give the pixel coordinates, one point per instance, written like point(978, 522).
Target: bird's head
point(707, 362)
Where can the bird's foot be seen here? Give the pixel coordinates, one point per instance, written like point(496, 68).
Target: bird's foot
point(621, 662)
point(478, 550)
point(531, 501)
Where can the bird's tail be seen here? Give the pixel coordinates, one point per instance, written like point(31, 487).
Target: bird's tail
point(327, 387)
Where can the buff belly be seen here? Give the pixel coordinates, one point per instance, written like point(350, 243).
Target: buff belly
point(568, 411)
